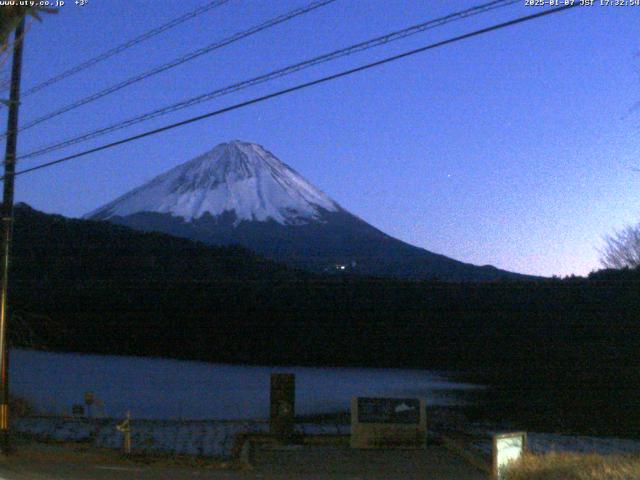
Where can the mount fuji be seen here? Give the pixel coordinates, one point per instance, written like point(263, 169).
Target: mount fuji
point(239, 193)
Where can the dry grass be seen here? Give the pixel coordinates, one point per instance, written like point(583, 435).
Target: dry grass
point(565, 466)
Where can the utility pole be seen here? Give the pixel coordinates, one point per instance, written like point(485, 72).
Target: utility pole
point(7, 231)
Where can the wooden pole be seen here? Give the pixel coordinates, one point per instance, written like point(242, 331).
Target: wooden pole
point(7, 231)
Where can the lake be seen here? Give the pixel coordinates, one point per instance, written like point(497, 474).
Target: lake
point(156, 388)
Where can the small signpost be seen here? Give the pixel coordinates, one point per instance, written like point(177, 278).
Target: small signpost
point(507, 448)
point(282, 405)
point(125, 428)
point(388, 422)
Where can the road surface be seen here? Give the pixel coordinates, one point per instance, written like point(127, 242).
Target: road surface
point(296, 463)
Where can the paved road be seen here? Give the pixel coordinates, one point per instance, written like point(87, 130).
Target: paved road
point(296, 463)
point(325, 462)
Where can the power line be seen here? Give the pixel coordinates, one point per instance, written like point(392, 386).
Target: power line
point(120, 48)
point(179, 61)
point(384, 39)
point(300, 87)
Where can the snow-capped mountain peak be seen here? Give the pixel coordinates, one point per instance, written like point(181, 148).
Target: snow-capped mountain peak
point(240, 194)
point(238, 177)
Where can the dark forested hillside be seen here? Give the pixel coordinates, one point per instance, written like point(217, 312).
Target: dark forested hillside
point(116, 290)
point(95, 287)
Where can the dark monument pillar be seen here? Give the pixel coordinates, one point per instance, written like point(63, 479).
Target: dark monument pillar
point(283, 402)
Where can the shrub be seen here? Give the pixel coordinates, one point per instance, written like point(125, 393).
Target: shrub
point(569, 466)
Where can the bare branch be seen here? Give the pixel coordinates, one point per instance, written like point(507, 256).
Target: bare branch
point(622, 249)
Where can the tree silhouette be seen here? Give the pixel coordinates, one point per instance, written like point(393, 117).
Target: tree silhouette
point(622, 249)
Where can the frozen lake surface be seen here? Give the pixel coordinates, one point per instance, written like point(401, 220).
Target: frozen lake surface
point(154, 388)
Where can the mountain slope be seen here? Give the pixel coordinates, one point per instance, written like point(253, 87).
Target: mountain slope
point(79, 252)
point(233, 177)
point(239, 193)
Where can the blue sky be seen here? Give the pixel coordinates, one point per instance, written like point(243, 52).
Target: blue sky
point(513, 149)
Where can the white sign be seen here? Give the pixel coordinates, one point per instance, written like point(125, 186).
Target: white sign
point(388, 422)
point(507, 448)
